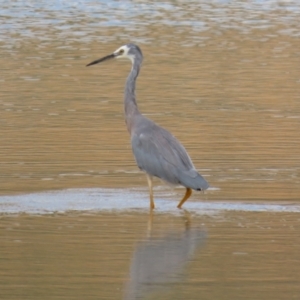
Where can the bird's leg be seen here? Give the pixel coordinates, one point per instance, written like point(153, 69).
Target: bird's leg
point(187, 195)
point(150, 184)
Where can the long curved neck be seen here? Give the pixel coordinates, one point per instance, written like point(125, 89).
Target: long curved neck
point(130, 105)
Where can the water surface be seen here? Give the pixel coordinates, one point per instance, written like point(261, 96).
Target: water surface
point(229, 255)
point(223, 76)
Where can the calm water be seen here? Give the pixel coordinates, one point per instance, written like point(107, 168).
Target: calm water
point(223, 76)
point(225, 255)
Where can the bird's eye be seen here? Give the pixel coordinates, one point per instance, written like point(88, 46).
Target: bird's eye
point(121, 51)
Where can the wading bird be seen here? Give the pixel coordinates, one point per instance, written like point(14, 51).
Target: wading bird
point(157, 152)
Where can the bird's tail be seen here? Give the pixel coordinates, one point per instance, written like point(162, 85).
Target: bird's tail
point(192, 179)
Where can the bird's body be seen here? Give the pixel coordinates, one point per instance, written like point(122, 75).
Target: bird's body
point(157, 152)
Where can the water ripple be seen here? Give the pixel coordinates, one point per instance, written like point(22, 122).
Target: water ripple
point(121, 200)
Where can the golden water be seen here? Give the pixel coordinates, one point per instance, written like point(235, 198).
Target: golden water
point(75, 256)
point(224, 78)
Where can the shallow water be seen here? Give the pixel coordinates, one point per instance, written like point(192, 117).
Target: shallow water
point(127, 200)
point(227, 87)
point(223, 76)
point(120, 255)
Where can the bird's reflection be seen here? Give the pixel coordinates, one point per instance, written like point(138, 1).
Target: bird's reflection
point(157, 262)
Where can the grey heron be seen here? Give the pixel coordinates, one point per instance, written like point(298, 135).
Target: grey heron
point(157, 152)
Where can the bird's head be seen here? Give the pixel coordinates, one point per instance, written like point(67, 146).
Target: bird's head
point(128, 51)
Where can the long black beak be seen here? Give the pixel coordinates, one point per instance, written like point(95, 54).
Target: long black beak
point(110, 56)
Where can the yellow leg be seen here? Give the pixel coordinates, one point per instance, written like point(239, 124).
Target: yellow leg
point(150, 184)
point(187, 195)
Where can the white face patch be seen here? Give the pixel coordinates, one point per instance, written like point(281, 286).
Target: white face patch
point(125, 54)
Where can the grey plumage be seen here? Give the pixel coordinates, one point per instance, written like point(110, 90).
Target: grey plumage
point(157, 152)
point(160, 154)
